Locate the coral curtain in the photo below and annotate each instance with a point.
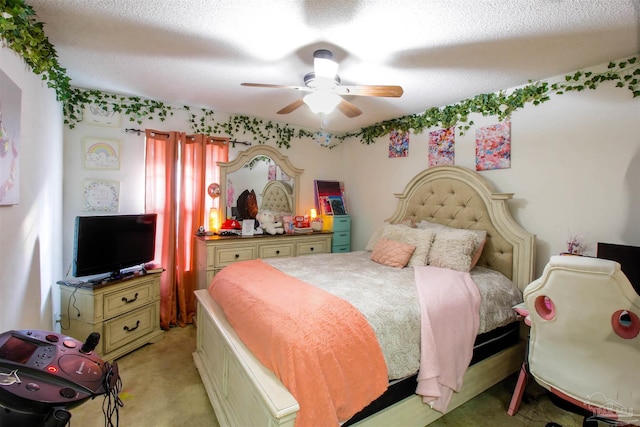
(178, 170)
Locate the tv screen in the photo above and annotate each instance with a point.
(627, 256)
(110, 243)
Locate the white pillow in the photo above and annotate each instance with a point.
(480, 236)
(421, 239)
(375, 236)
(452, 250)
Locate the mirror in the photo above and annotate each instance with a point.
(258, 168)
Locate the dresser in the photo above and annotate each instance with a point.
(125, 313)
(215, 252)
(340, 225)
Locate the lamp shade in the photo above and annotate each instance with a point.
(322, 102)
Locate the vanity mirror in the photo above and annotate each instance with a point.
(275, 182)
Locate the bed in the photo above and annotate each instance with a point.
(243, 392)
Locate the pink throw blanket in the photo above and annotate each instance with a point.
(450, 318)
(320, 347)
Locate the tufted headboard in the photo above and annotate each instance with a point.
(277, 196)
(461, 198)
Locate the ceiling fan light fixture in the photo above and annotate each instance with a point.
(324, 65)
(322, 102)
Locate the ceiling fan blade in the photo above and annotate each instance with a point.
(385, 91)
(348, 109)
(293, 106)
(274, 86)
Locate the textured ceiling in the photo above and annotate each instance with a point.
(197, 52)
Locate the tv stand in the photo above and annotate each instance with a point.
(124, 311)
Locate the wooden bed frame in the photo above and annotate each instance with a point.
(245, 393)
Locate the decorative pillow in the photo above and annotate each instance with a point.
(375, 236)
(392, 253)
(480, 237)
(421, 239)
(452, 250)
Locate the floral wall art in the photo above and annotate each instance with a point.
(493, 147)
(442, 147)
(101, 195)
(398, 144)
(10, 104)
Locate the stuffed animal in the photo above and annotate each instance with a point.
(268, 222)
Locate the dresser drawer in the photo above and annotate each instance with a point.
(341, 238)
(226, 256)
(313, 247)
(129, 327)
(341, 223)
(126, 299)
(272, 251)
(341, 248)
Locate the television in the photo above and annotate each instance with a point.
(108, 244)
(627, 256)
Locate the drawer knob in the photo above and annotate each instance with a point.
(278, 252)
(237, 255)
(128, 301)
(128, 329)
(311, 248)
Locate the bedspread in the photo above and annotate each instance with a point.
(387, 298)
(322, 363)
(450, 303)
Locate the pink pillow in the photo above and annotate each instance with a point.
(392, 253)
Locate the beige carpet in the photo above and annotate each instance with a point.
(161, 387)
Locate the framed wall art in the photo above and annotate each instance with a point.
(442, 147)
(493, 147)
(99, 153)
(101, 196)
(101, 116)
(10, 106)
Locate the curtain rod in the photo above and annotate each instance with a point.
(232, 142)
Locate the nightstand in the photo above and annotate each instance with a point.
(125, 313)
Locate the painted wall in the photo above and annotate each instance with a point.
(575, 169)
(31, 231)
(575, 163)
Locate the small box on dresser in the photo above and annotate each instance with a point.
(341, 227)
(125, 313)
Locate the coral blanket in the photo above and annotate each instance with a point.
(319, 346)
(450, 318)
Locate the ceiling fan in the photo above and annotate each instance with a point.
(323, 85)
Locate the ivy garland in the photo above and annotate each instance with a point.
(22, 33)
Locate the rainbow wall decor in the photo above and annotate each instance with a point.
(101, 153)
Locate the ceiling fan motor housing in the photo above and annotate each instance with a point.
(312, 82)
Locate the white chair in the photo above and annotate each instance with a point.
(584, 345)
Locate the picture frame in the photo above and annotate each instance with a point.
(10, 147)
(248, 227)
(330, 197)
(337, 205)
(101, 196)
(94, 114)
(101, 153)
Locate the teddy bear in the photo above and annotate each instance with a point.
(268, 222)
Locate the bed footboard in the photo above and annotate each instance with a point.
(241, 390)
